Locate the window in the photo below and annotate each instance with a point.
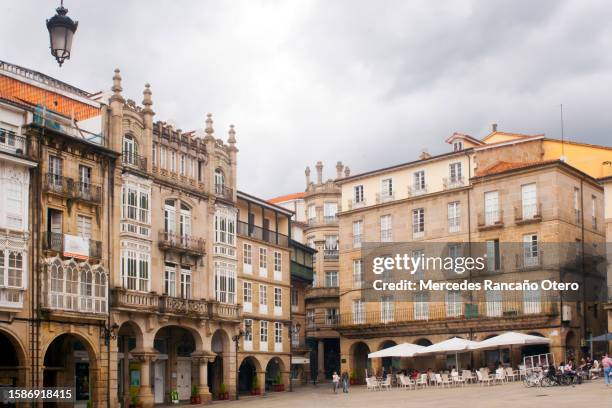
(419, 272)
(84, 186)
(594, 211)
(278, 265)
(310, 317)
(357, 273)
(84, 226)
(135, 199)
(185, 223)
(331, 279)
(492, 215)
(529, 201)
(494, 303)
(185, 282)
(358, 194)
(170, 217)
(295, 297)
(418, 222)
(219, 182)
(247, 292)
(11, 268)
(135, 261)
(386, 309)
(55, 173)
(295, 335)
(357, 233)
(457, 145)
(225, 282)
(100, 285)
(454, 216)
(225, 226)
(130, 150)
(331, 316)
(14, 204)
(358, 311)
(530, 250)
(421, 306)
(387, 188)
(248, 330)
(312, 213)
(453, 303)
(386, 229)
(454, 172)
(263, 262)
(182, 169)
(278, 301)
(263, 296)
(163, 155)
(577, 213)
(263, 335)
(247, 258)
(172, 161)
(170, 279)
(531, 301)
(454, 252)
(86, 289)
(278, 336)
(329, 211)
(493, 255)
(419, 181)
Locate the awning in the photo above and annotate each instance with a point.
(401, 350)
(299, 360)
(510, 339)
(454, 345)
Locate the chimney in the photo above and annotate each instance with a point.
(319, 172)
(339, 168)
(493, 127)
(307, 173)
(347, 171)
(424, 155)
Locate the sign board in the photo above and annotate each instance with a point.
(76, 247)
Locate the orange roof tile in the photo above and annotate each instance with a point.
(286, 197)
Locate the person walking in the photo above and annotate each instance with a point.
(345, 382)
(335, 381)
(606, 363)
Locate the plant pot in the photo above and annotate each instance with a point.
(196, 399)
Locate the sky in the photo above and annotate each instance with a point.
(368, 83)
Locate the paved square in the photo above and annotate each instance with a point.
(515, 395)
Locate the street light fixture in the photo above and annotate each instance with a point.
(236, 338)
(61, 30)
(293, 329)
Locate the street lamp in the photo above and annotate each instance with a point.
(293, 329)
(61, 30)
(236, 338)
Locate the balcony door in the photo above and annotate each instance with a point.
(55, 172)
(170, 219)
(529, 200)
(491, 199)
(185, 223)
(129, 150)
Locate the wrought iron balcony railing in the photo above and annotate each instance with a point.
(54, 241)
(88, 192)
(330, 254)
(224, 192)
(452, 182)
(13, 143)
(526, 213)
(490, 219)
(134, 160)
(181, 243)
(67, 187)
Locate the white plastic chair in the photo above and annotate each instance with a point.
(422, 380)
(372, 384)
(386, 383)
(522, 371)
(467, 376)
(456, 379)
(407, 382)
(484, 379)
(500, 375)
(511, 374)
(446, 380)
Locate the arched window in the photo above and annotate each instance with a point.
(56, 285)
(72, 287)
(130, 150)
(86, 289)
(100, 290)
(219, 182)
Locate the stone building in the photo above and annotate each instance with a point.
(504, 189)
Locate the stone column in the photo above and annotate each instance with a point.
(126, 372)
(321, 360)
(145, 395)
(261, 379)
(202, 359)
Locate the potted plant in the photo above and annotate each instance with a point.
(255, 390)
(135, 402)
(195, 395)
(278, 385)
(174, 397)
(353, 377)
(223, 394)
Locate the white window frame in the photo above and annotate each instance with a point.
(247, 258)
(263, 335)
(421, 306)
(358, 196)
(247, 340)
(454, 303)
(278, 266)
(357, 233)
(386, 228)
(136, 266)
(263, 298)
(357, 273)
(529, 201)
(454, 216)
(247, 296)
(263, 262)
(278, 301)
(387, 309)
(225, 281)
(492, 213)
(358, 311)
(418, 222)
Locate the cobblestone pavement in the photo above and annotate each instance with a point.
(515, 395)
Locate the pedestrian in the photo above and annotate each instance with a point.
(335, 381)
(606, 363)
(345, 382)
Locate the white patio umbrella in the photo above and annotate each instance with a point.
(508, 340)
(455, 346)
(400, 350)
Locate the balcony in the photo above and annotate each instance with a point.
(88, 192)
(54, 241)
(353, 205)
(225, 311)
(11, 297)
(174, 305)
(415, 191)
(321, 321)
(457, 312)
(135, 301)
(134, 160)
(262, 234)
(527, 214)
(66, 187)
(171, 241)
(384, 197)
(13, 143)
(450, 183)
(330, 254)
(322, 292)
(325, 221)
(224, 192)
(491, 219)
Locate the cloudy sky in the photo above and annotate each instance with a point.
(370, 83)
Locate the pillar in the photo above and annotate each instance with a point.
(261, 380)
(204, 390)
(145, 395)
(321, 360)
(126, 373)
(285, 378)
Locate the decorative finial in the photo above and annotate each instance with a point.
(347, 171)
(147, 101)
(209, 124)
(232, 135)
(117, 82)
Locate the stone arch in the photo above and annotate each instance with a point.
(247, 375)
(195, 333)
(359, 360)
(423, 341)
(535, 349)
(388, 364)
(220, 368)
(275, 368)
(65, 366)
(13, 363)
